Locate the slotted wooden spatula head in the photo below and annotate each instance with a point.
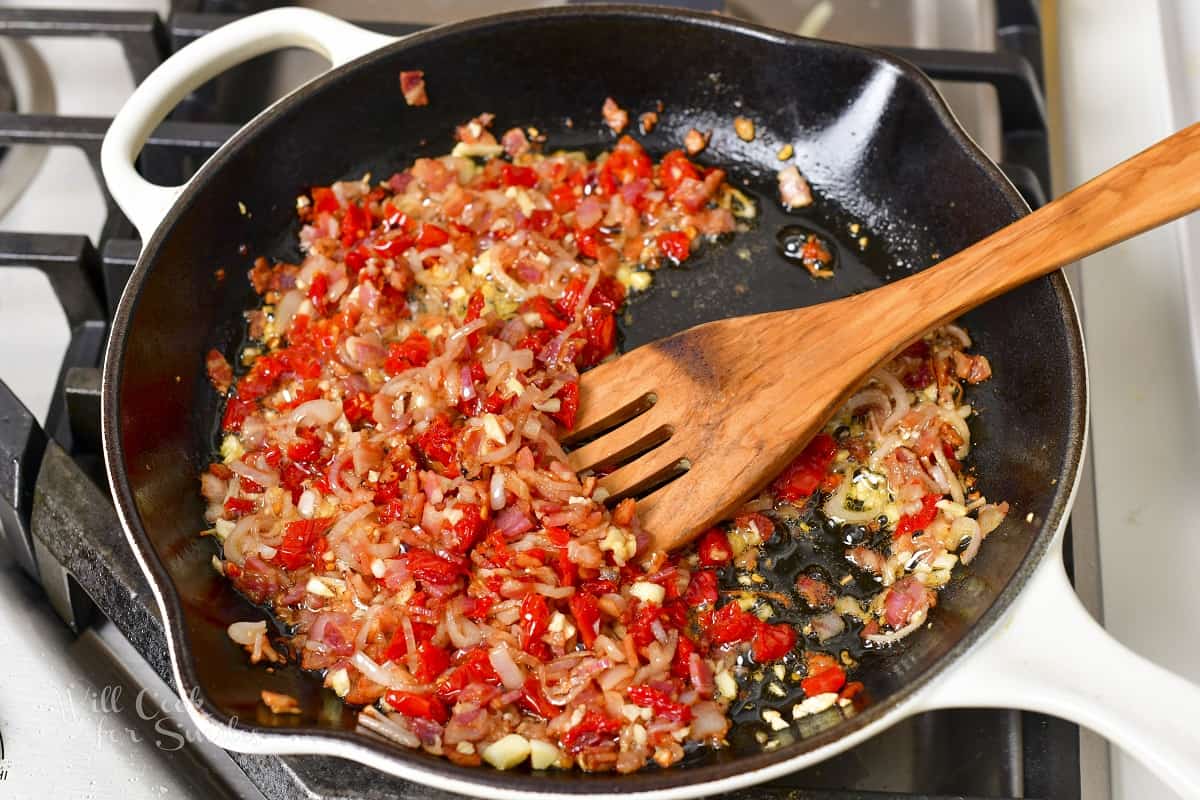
(694, 425)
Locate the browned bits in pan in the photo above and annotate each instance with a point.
(280, 703)
(744, 128)
(694, 141)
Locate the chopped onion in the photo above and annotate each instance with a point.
(918, 619)
(510, 673)
(372, 671)
(497, 496)
(244, 633)
(899, 395)
(348, 521)
(956, 491)
(556, 592)
(964, 528)
(615, 676)
(467, 392)
(828, 625)
(990, 516)
(316, 412)
(835, 506)
(286, 308)
(375, 721)
(708, 721)
(463, 632)
(264, 479)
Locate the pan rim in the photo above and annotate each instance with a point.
(736, 772)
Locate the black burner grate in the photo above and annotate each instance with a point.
(67, 535)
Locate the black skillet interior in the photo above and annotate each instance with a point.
(868, 132)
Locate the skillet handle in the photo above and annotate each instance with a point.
(1049, 655)
(146, 203)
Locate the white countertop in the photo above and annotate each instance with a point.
(1116, 100)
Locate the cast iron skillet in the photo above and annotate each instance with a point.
(870, 133)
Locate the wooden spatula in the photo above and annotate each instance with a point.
(703, 419)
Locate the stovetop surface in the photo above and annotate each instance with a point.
(106, 701)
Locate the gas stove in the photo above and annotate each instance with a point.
(92, 711)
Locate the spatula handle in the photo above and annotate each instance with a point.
(1154, 187)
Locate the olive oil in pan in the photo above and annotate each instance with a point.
(754, 270)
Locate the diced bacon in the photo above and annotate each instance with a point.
(972, 369)
(905, 598)
(794, 190)
(815, 592)
(412, 85)
(615, 117)
(476, 131)
(515, 142)
(220, 374)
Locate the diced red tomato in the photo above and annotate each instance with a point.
(568, 405)
(773, 641)
(759, 522)
(535, 616)
(568, 303)
(674, 169)
(829, 679)
(412, 352)
(681, 663)
(547, 223)
(851, 690)
(702, 589)
(588, 241)
(317, 291)
(544, 308)
(594, 729)
(714, 549)
(474, 667)
(469, 529)
(626, 163)
(805, 474)
(587, 616)
(236, 411)
(358, 408)
(239, 506)
(513, 175)
(324, 200)
(534, 701)
(658, 701)
(432, 568)
(302, 543)
(675, 245)
(438, 442)
(391, 247)
(305, 447)
(355, 224)
(432, 235)
(417, 705)
(911, 523)
(730, 624)
(600, 330)
(432, 661)
(641, 626)
(397, 649)
(563, 198)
